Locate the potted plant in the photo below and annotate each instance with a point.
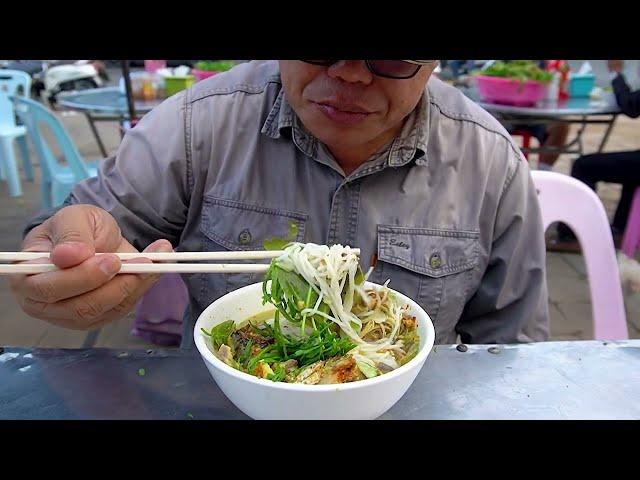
(208, 68)
(517, 82)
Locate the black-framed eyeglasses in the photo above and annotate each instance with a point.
(396, 69)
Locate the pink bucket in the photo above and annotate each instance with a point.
(152, 66)
(202, 74)
(510, 91)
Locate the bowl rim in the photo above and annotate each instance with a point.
(415, 362)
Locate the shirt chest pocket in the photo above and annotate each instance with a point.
(228, 225)
(432, 266)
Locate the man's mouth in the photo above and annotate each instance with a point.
(343, 113)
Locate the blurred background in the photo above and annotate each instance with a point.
(558, 112)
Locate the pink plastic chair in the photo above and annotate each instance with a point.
(564, 199)
(631, 237)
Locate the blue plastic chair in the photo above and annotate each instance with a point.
(13, 82)
(57, 179)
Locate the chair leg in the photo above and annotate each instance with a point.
(26, 159)
(9, 163)
(609, 316)
(91, 338)
(526, 141)
(631, 237)
(45, 195)
(59, 192)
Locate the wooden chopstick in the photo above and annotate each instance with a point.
(33, 268)
(170, 256)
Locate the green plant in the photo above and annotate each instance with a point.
(522, 70)
(214, 65)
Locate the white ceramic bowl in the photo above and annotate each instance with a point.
(264, 399)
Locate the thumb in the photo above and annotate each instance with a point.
(78, 231)
(71, 232)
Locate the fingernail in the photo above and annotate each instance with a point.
(109, 265)
(163, 247)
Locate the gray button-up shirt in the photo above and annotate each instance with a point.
(447, 211)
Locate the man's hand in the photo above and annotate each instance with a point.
(87, 292)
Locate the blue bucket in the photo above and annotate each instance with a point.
(581, 85)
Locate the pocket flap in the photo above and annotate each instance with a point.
(431, 252)
(242, 226)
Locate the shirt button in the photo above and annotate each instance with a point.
(435, 261)
(245, 237)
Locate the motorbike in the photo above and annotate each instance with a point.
(51, 77)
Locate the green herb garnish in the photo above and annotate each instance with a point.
(220, 333)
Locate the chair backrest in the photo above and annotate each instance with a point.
(12, 82)
(565, 199)
(631, 237)
(34, 116)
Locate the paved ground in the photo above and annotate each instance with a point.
(568, 289)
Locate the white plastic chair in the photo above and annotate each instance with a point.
(11, 82)
(57, 179)
(565, 199)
